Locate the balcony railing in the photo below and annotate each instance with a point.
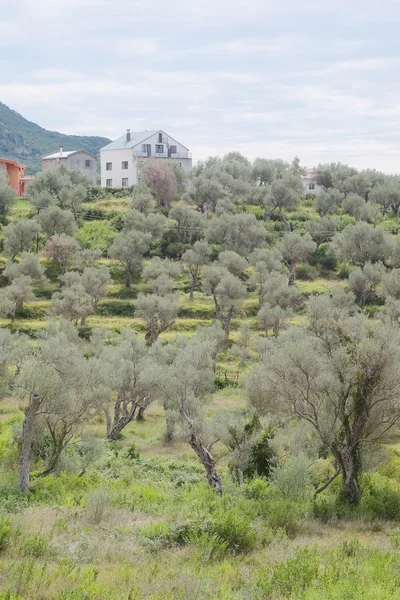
(141, 154)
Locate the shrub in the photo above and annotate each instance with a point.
(380, 498)
(96, 504)
(307, 272)
(34, 545)
(291, 577)
(235, 530)
(5, 532)
(293, 478)
(281, 514)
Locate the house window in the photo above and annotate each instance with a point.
(160, 138)
(172, 149)
(88, 164)
(311, 186)
(124, 182)
(124, 164)
(108, 182)
(108, 166)
(159, 148)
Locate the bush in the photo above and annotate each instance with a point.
(224, 531)
(235, 530)
(5, 532)
(307, 272)
(34, 545)
(96, 503)
(380, 498)
(281, 514)
(292, 577)
(293, 478)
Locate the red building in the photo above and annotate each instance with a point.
(15, 174)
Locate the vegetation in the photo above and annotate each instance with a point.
(200, 392)
(26, 142)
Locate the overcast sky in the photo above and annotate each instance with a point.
(272, 78)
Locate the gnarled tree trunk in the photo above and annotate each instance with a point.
(208, 462)
(27, 437)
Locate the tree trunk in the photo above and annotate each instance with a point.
(192, 286)
(140, 415)
(208, 462)
(119, 426)
(292, 274)
(286, 223)
(128, 279)
(108, 421)
(27, 437)
(227, 320)
(267, 214)
(83, 320)
(349, 464)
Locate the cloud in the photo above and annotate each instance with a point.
(266, 78)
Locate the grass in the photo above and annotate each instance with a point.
(141, 523)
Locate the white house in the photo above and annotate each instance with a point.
(74, 159)
(121, 160)
(309, 185)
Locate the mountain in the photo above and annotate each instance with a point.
(26, 142)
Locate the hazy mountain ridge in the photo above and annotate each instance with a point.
(27, 142)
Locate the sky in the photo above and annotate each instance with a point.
(270, 78)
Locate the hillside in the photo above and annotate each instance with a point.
(27, 142)
(172, 459)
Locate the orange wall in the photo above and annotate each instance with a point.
(13, 177)
(14, 174)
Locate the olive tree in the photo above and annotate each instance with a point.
(241, 233)
(233, 262)
(7, 196)
(295, 248)
(193, 261)
(153, 224)
(64, 187)
(265, 262)
(128, 249)
(227, 292)
(12, 297)
(327, 201)
(190, 223)
(273, 317)
(131, 364)
(61, 249)
(158, 312)
(54, 220)
(341, 375)
(29, 265)
(183, 385)
(321, 231)
(283, 194)
(361, 243)
(62, 390)
(161, 180)
(19, 236)
(142, 199)
(363, 282)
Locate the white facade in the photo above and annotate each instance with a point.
(121, 160)
(309, 185)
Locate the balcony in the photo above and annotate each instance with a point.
(144, 154)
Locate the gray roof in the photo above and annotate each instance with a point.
(65, 154)
(137, 137)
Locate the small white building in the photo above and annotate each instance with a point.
(309, 185)
(83, 161)
(121, 161)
